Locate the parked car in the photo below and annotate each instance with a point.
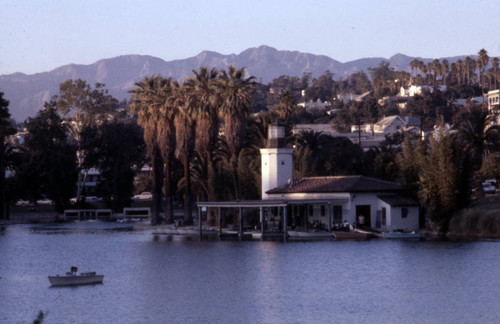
(489, 188)
(143, 196)
(92, 198)
(22, 202)
(44, 201)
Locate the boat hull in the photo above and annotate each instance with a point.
(341, 235)
(301, 234)
(182, 231)
(75, 280)
(402, 236)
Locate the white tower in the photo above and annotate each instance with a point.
(276, 160)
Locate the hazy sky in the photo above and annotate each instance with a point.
(40, 35)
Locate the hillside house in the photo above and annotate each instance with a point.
(385, 126)
(494, 104)
(389, 125)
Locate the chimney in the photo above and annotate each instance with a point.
(276, 136)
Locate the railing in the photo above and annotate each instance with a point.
(87, 214)
(137, 212)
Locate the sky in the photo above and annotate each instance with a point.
(40, 35)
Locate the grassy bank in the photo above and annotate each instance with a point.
(482, 220)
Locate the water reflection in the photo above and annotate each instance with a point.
(154, 279)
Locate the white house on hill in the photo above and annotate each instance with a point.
(389, 125)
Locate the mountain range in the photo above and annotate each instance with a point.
(27, 93)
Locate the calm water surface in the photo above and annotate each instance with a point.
(162, 279)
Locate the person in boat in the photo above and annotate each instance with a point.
(73, 271)
(346, 226)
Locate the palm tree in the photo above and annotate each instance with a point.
(236, 92)
(445, 68)
(286, 105)
(495, 63)
(483, 60)
(469, 64)
(414, 65)
(204, 97)
(185, 125)
(148, 100)
(167, 143)
(477, 133)
(308, 147)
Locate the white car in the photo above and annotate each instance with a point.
(489, 188)
(143, 196)
(44, 201)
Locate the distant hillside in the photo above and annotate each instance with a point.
(27, 93)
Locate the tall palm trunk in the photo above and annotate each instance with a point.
(167, 185)
(211, 194)
(188, 212)
(156, 163)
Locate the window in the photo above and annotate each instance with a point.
(384, 216)
(323, 210)
(404, 212)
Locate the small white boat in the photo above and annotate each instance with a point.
(84, 278)
(402, 236)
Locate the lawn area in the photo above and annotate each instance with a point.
(481, 220)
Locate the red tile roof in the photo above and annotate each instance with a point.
(397, 200)
(337, 184)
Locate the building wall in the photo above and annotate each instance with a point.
(395, 221)
(348, 203)
(276, 166)
(363, 199)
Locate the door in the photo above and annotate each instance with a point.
(363, 218)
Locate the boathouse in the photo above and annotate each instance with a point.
(310, 203)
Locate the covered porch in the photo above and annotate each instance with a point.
(276, 217)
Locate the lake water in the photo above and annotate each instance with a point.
(163, 279)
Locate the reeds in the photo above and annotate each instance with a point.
(476, 223)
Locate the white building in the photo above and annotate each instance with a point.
(494, 104)
(336, 199)
(297, 204)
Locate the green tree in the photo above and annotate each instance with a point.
(82, 106)
(6, 129)
(52, 161)
(383, 80)
(322, 88)
(358, 83)
(441, 169)
(121, 149)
